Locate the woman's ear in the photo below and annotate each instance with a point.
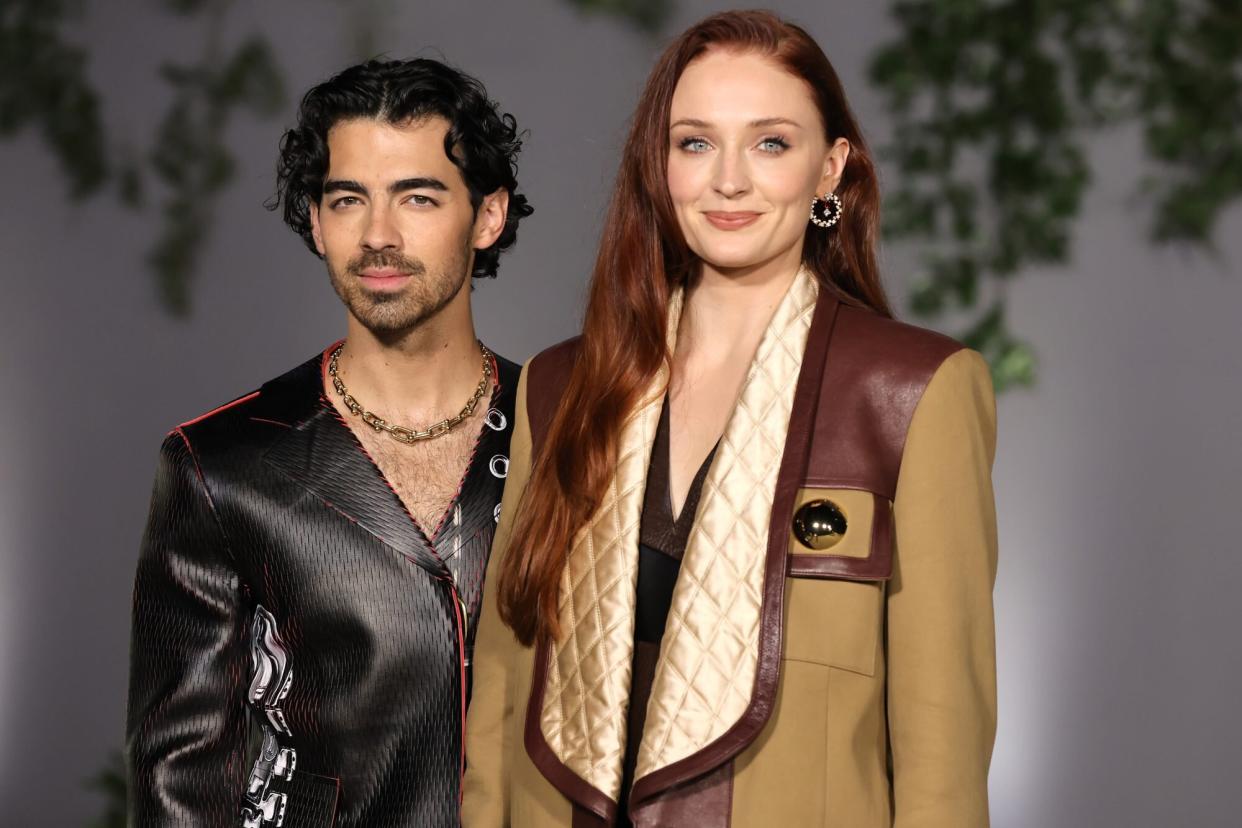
(834, 166)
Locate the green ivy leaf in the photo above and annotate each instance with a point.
(1011, 360)
(251, 78)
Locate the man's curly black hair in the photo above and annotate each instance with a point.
(482, 142)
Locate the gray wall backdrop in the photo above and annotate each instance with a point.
(1117, 479)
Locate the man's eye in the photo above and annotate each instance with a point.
(345, 201)
(694, 144)
(423, 201)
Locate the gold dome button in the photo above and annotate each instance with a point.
(819, 524)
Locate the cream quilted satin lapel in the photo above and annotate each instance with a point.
(586, 694)
(710, 649)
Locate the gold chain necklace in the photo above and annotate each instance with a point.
(400, 433)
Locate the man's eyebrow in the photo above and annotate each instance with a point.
(760, 122)
(333, 185)
(420, 183)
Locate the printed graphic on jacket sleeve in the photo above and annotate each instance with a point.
(271, 678)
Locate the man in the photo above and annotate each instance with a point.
(311, 574)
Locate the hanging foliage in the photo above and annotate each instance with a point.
(111, 785)
(44, 86)
(190, 157)
(993, 104)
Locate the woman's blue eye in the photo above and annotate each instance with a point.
(694, 144)
(774, 144)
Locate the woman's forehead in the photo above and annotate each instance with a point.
(729, 87)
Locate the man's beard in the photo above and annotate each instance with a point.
(387, 314)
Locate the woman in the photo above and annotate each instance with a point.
(746, 579)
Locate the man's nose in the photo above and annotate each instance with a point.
(381, 231)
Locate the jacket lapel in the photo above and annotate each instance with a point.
(576, 716)
(716, 681)
(320, 453)
(710, 654)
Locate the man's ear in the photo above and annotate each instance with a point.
(489, 220)
(316, 232)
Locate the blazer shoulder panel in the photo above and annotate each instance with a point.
(547, 374)
(876, 372)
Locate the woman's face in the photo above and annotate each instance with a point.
(747, 153)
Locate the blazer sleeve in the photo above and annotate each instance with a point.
(940, 633)
(186, 731)
(489, 723)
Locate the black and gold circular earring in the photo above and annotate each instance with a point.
(826, 210)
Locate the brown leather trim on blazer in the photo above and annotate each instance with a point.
(582, 818)
(877, 566)
(547, 375)
(836, 440)
(546, 378)
(706, 802)
(574, 787)
(860, 435)
(788, 480)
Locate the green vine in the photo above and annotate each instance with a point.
(110, 783)
(44, 86)
(191, 157)
(993, 103)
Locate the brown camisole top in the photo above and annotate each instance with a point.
(662, 542)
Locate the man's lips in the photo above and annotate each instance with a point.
(384, 279)
(731, 220)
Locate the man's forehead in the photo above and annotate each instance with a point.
(374, 148)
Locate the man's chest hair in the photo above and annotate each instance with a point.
(425, 474)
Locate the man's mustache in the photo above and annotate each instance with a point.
(385, 261)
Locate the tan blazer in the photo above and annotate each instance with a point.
(840, 678)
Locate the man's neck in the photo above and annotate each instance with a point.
(417, 378)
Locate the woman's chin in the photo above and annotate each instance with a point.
(733, 260)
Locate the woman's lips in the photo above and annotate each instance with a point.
(734, 220)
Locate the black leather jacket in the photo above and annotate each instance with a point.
(300, 647)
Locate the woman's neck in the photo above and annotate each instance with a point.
(727, 309)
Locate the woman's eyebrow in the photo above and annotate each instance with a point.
(767, 122)
(758, 122)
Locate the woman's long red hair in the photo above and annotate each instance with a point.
(642, 257)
